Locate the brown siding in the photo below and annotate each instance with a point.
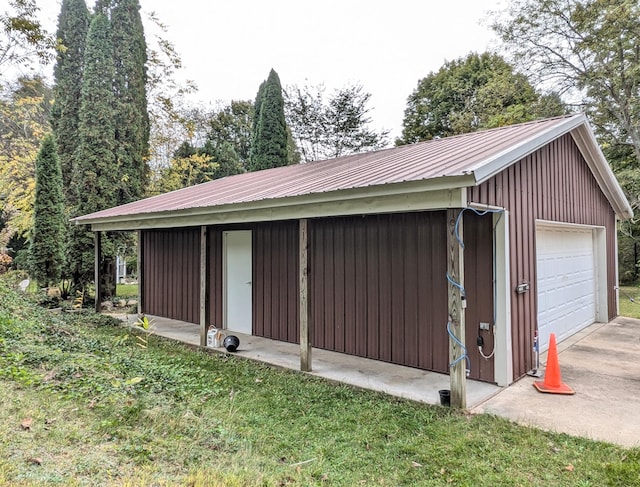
(275, 281)
(378, 287)
(214, 243)
(172, 273)
(478, 283)
(554, 183)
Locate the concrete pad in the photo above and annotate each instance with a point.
(602, 365)
(406, 382)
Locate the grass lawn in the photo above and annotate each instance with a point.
(85, 401)
(126, 291)
(629, 308)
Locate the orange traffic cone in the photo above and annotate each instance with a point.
(552, 382)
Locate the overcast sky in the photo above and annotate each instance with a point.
(229, 46)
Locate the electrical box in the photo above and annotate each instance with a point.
(522, 288)
(484, 326)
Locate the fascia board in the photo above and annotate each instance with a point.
(590, 149)
(490, 167)
(391, 197)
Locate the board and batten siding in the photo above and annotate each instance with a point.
(172, 273)
(553, 183)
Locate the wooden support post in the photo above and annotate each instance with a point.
(140, 270)
(305, 332)
(455, 270)
(204, 287)
(97, 247)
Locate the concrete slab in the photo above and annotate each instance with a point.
(406, 382)
(602, 365)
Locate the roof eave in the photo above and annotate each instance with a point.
(590, 149)
(578, 127)
(409, 195)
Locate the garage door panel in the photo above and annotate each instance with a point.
(566, 279)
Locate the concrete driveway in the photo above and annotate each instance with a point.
(602, 365)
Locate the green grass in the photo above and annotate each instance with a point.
(126, 290)
(628, 308)
(84, 401)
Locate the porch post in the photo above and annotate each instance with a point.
(305, 342)
(204, 289)
(457, 305)
(97, 247)
(140, 267)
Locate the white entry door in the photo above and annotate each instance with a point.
(237, 258)
(567, 281)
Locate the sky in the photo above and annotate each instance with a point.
(229, 46)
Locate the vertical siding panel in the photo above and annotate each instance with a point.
(214, 241)
(561, 188)
(426, 286)
(361, 286)
(329, 304)
(350, 291)
(373, 289)
(385, 265)
(397, 292)
(275, 280)
(339, 289)
(410, 293)
(439, 229)
(294, 284)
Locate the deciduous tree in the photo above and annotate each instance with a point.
(588, 51)
(23, 40)
(331, 127)
(24, 120)
(471, 93)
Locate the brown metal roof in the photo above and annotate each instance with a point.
(461, 155)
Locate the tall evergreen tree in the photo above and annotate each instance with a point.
(270, 145)
(73, 24)
(131, 116)
(46, 256)
(95, 178)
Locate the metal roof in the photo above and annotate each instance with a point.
(474, 156)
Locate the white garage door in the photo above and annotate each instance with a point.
(566, 281)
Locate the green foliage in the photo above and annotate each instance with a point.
(46, 252)
(104, 411)
(630, 301)
(229, 136)
(325, 128)
(95, 178)
(476, 92)
(22, 37)
(586, 49)
(131, 116)
(73, 24)
(269, 146)
(24, 120)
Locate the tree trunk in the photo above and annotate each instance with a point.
(108, 277)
